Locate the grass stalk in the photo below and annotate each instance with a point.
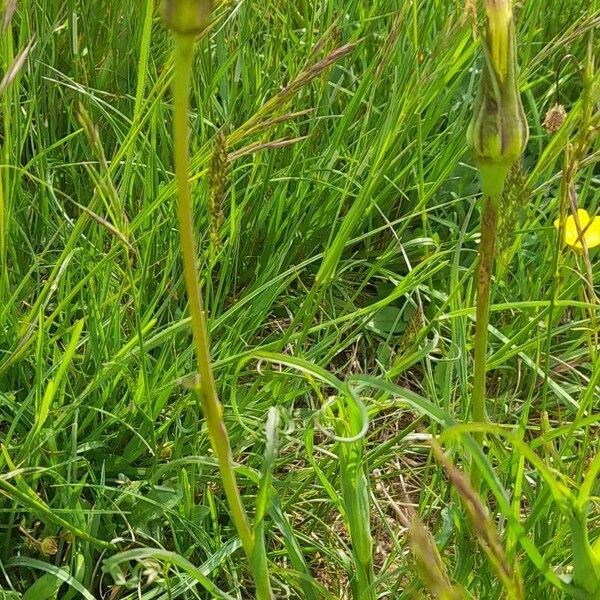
(206, 389)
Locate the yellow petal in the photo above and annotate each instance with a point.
(592, 233)
(584, 217)
(582, 214)
(589, 227)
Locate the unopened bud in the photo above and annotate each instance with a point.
(48, 546)
(166, 451)
(187, 17)
(498, 131)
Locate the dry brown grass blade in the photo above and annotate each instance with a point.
(9, 11)
(283, 119)
(482, 526)
(303, 78)
(258, 146)
(16, 66)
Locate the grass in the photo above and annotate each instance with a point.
(342, 290)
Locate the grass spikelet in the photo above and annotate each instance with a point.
(429, 563)
(302, 79)
(428, 560)
(514, 200)
(218, 174)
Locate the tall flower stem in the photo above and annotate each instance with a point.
(206, 389)
(485, 269)
(498, 135)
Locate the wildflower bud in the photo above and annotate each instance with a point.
(187, 17)
(554, 118)
(48, 546)
(166, 451)
(498, 130)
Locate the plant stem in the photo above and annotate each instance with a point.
(485, 267)
(207, 390)
(355, 492)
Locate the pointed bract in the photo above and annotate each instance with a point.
(498, 131)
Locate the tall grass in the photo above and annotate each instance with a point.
(340, 306)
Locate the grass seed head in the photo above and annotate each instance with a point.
(514, 198)
(430, 566)
(498, 131)
(554, 119)
(483, 526)
(218, 174)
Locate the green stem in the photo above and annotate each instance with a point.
(207, 390)
(5, 198)
(485, 268)
(355, 492)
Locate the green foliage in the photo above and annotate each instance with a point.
(348, 167)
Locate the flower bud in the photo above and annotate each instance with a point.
(187, 17)
(498, 130)
(49, 546)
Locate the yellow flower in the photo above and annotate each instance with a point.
(590, 229)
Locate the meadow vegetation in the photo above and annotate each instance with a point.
(337, 220)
